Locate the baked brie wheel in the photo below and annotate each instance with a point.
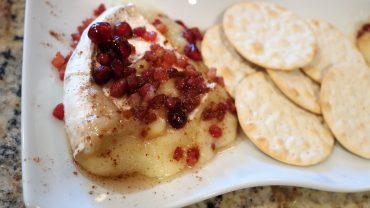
(134, 105)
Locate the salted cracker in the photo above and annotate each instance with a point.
(278, 127)
(269, 35)
(345, 103)
(333, 48)
(217, 52)
(298, 88)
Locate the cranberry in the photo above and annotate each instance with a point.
(149, 117)
(192, 52)
(128, 71)
(99, 10)
(177, 118)
(169, 57)
(100, 32)
(178, 154)
(122, 46)
(160, 75)
(182, 61)
(123, 29)
(104, 59)
(102, 74)
(158, 101)
(118, 88)
(215, 131)
(162, 28)
(76, 36)
(58, 61)
(192, 156)
(196, 33)
(117, 68)
(58, 111)
(173, 72)
(150, 36)
(132, 81)
(105, 46)
(189, 36)
(139, 31)
(181, 23)
(147, 91)
(172, 102)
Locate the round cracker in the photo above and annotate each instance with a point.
(217, 52)
(333, 48)
(269, 35)
(345, 103)
(278, 127)
(298, 88)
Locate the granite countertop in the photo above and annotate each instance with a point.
(11, 41)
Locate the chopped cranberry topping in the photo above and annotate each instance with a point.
(217, 111)
(192, 156)
(58, 111)
(160, 75)
(99, 10)
(178, 154)
(170, 57)
(123, 29)
(182, 61)
(162, 28)
(150, 36)
(118, 88)
(139, 31)
(147, 91)
(104, 59)
(177, 118)
(102, 74)
(172, 102)
(215, 131)
(192, 52)
(181, 23)
(100, 32)
(58, 60)
(158, 101)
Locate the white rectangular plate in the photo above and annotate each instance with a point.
(48, 179)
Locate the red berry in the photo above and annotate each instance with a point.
(118, 88)
(196, 33)
(215, 131)
(104, 59)
(150, 36)
(147, 91)
(192, 52)
(139, 31)
(100, 32)
(177, 118)
(172, 102)
(99, 10)
(122, 46)
(192, 156)
(189, 36)
(178, 154)
(58, 111)
(160, 75)
(157, 102)
(102, 74)
(123, 29)
(169, 57)
(182, 61)
(117, 68)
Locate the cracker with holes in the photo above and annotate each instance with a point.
(269, 35)
(217, 52)
(278, 127)
(298, 87)
(334, 48)
(345, 103)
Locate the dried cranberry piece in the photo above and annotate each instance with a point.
(58, 111)
(147, 91)
(192, 156)
(196, 33)
(178, 154)
(215, 131)
(132, 81)
(172, 102)
(150, 36)
(122, 46)
(162, 28)
(118, 88)
(123, 29)
(128, 71)
(189, 36)
(118, 68)
(157, 102)
(169, 57)
(99, 10)
(104, 59)
(139, 31)
(160, 75)
(102, 74)
(181, 23)
(100, 32)
(192, 52)
(182, 61)
(177, 118)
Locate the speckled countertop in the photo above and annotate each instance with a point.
(11, 39)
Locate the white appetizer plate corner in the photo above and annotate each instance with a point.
(48, 179)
